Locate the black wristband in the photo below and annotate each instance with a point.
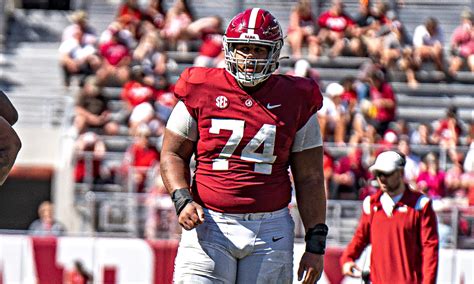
(316, 239)
(181, 197)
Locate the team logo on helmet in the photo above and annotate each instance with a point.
(222, 102)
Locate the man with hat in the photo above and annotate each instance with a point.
(333, 115)
(401, 226)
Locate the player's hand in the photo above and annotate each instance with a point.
(191, 216)
(10, 145)
(351, 269)
(312, 264)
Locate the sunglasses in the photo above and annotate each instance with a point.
(381, 174)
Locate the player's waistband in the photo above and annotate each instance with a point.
(250, 216)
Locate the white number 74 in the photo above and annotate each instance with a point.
(266, 135)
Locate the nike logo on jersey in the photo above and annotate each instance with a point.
(275, 239)
(269, 106)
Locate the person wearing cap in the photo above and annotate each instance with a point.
(401, 226)
(333, 115)
(462, 44)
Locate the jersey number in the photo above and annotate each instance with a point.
(266, 135)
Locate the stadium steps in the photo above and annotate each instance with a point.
(429, 114)
(101, 14)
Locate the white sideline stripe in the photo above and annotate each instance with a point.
(253, 20)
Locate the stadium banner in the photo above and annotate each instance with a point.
(26, 259)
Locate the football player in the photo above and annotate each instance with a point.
(245, 127)
(10, 143)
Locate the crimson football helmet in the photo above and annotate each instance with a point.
(253, 26)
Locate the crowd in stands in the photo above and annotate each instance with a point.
(359, 114)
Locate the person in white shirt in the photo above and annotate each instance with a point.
(428, 42)
(333, 115)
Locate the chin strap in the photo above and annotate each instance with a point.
(316, 239)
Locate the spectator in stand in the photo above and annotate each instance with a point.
(118, 28)
(422, 135)
(448, 129)
(362, 131)
(91, 107)
(395, 44)
(131, 9)
(347, 175)
(303, 68)
(383, 100)
(140, 158)
(46, 225)
(455, 178)
(431, 180)
(115, 68)
(77, 57)
(79, 19)
(137, 91)
(335, 25)
(333, 116)
(412, 168)
(462, 44)
(145, 113)
(428, 42)
(209, 30)
(369, 22)
(301, 30)
(90, 152)
(328, 168)
(401, 226)
(164, 104)
(155, 13)
(177, 20)
(349, 100)
(150, 57)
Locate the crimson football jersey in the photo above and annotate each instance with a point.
(245, 140)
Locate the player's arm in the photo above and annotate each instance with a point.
(307, 168)
(7, 110)
(177, 150)
(10, 143)
(429, 241)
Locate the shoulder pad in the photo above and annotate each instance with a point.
(195, 75)
(190, 77)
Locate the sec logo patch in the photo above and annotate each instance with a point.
(222, 102)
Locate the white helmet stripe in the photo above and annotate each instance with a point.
(252, 20)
